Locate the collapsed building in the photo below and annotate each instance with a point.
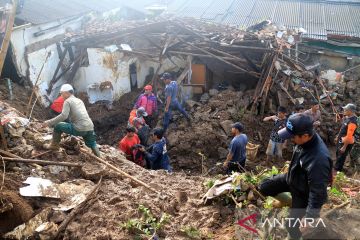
(231, 66)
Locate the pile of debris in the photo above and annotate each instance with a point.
(96, 192)
(203, 146)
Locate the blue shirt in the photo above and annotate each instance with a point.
(159, 157)
(171, 90)
(238, 148)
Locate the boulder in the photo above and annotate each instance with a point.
(222, 152)
(352, 85)
(226, 125)
(213, 92)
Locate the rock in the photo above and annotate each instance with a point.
(244, 186)
(352, 85)
(204, 98)
(226, 125)
(222, 152)
(259, 202)
(213, 92)
(192, 103)
(181, 197)
(251, 196)
(242, 198)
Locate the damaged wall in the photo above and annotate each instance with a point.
(114, 68)
(31, 45)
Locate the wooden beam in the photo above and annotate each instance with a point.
(53, 80)
(219, 58)
(7, 37)
(41, 162)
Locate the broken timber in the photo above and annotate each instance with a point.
(118, 171)
(41, 162)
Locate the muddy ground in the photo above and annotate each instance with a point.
(118, 199)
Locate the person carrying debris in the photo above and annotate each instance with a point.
(81, 124)
(156, 156)
(308, 176)
(314, 113)
(148, 101)
(130, 144)
(171, 102)
(137, 120)
(346, 137)
(276, 143)
(235, 160)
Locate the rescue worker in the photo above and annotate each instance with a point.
(276, 144)
(138, 121)
(235, 160)
(156, 156)
(81, 124)
(148, 101)
(346, 137)
(171, 102)
(299, 108)
(129, 140)
(308, 176)
(355, 151)
(314, 113)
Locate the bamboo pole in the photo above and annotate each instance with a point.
(41, 162)
(118, 171)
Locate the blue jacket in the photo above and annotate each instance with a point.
(158, 158)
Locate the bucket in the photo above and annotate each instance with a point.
(251, 150)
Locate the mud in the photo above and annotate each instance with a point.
(20, 212)
(110, 124)
(21, 99)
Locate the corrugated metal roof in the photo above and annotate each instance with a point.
(43, 11)
(318, 17)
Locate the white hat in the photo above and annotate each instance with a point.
(66, 88)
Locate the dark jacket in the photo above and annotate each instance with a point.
(310, 173)
(158, 157)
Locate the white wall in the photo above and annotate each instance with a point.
(114, 67)
(23, 37)
(103, 66)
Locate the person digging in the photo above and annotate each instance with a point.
(80, 122)
(308, 176)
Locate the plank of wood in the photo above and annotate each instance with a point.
(41, 162)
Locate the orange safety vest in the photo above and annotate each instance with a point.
(132, 117)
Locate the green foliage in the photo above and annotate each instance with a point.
(209, 183)
(147, 224)
(192, 232)
(335, 192)
(269, 173)
(268, 203)
(340, 178)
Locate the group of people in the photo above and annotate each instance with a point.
(311, 168)
(71, 117)
(310, 171)
(142, 118)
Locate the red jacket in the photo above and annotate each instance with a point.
(57, 105)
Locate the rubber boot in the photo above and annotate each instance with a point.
(282, 200)
(54, 145)
(95, 150)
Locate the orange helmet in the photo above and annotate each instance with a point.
(148, 87)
